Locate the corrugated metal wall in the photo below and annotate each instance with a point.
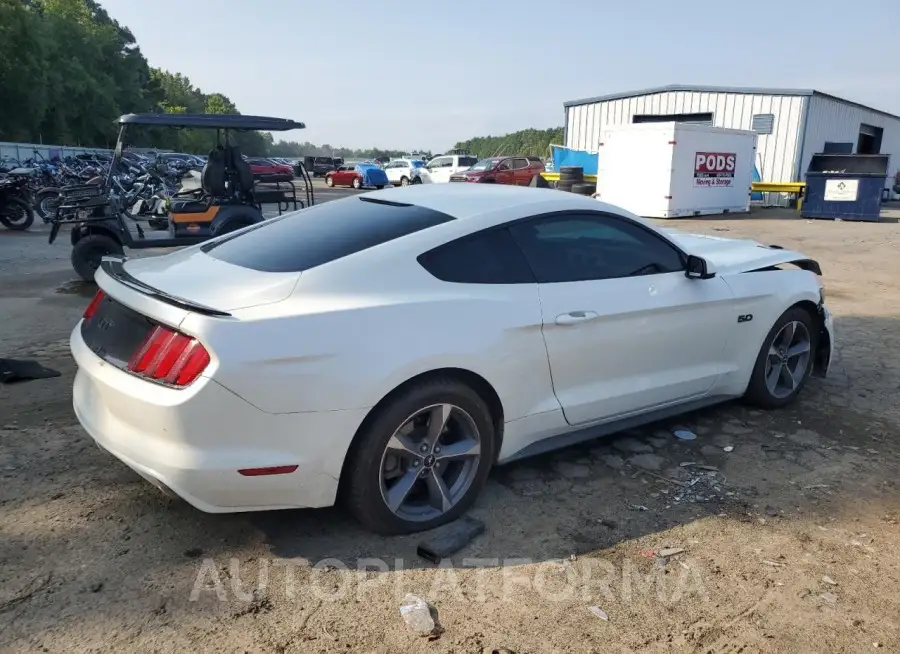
(23, 151)
(776, 153)
(838, 122)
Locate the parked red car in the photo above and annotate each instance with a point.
(515, 171)
(268, 167)
(352, 175)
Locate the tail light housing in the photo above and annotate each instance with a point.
(95, 303)
(169, 356)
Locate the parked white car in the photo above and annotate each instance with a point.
(441, 168)
(400, 343)
(403, 172)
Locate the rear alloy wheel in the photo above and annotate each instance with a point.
(357, 183)
(329, 181)
(422, 460)
(785, 360)
(404, 181)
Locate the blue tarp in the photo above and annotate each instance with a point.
(372, 175)
(569, 157)
(756, 196)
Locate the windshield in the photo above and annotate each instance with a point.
(484, 164)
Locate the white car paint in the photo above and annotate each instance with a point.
(304, 356)
(441, 168)
(399, 169)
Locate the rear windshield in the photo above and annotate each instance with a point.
(322, 233)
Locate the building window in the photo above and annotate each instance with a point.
(763, 123)
(699, 119)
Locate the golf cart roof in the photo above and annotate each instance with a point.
(212, 121)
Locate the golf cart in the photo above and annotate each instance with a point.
(228, 198)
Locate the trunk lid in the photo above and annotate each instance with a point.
(729, 255)
(199, 279)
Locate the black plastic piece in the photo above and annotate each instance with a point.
(449, 539)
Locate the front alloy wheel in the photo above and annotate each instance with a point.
(785, 360)
(788, 359)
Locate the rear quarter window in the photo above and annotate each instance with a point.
(488, 257)
(322, 233)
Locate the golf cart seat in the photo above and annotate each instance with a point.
(190, 206)
(212, 183)
(243, 176)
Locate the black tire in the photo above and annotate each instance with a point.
(584, 189)
(404, 181)
(758, 392)
(356, 183)
(88, 252)
(571, 174)
(362, 473)
(17, 214)
(416, 180)
(46, 202)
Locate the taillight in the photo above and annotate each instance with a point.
(95, 303)
(169, 356)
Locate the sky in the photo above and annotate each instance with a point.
(411, 74)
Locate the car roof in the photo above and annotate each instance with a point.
(471, 201)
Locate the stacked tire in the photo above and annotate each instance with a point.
(585, 188)
(569, 176)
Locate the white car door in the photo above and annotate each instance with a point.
(440, 169)
(460, 163)
(625, 330)
(393, 171)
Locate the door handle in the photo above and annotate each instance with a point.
(575, 317)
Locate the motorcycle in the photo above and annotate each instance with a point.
(16, 212)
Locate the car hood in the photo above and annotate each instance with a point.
(730, 255)
(198, 278)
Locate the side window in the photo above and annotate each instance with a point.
(505, 165)
(577, 247)
(490, 257)
(468, 161)
(520, 163)
(440, 162)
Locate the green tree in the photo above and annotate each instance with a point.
(528, 142)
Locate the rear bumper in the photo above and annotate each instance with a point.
(193, 441)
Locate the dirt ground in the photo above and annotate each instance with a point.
(787, 520)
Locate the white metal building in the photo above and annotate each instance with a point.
(792, 124)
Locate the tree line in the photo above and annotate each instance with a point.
(535, 142)
(68, 70)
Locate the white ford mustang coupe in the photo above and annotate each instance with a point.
(389, 348)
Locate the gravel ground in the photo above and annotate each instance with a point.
(786, 521)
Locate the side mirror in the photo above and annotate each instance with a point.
(698, 268)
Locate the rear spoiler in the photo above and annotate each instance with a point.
(115, 268)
